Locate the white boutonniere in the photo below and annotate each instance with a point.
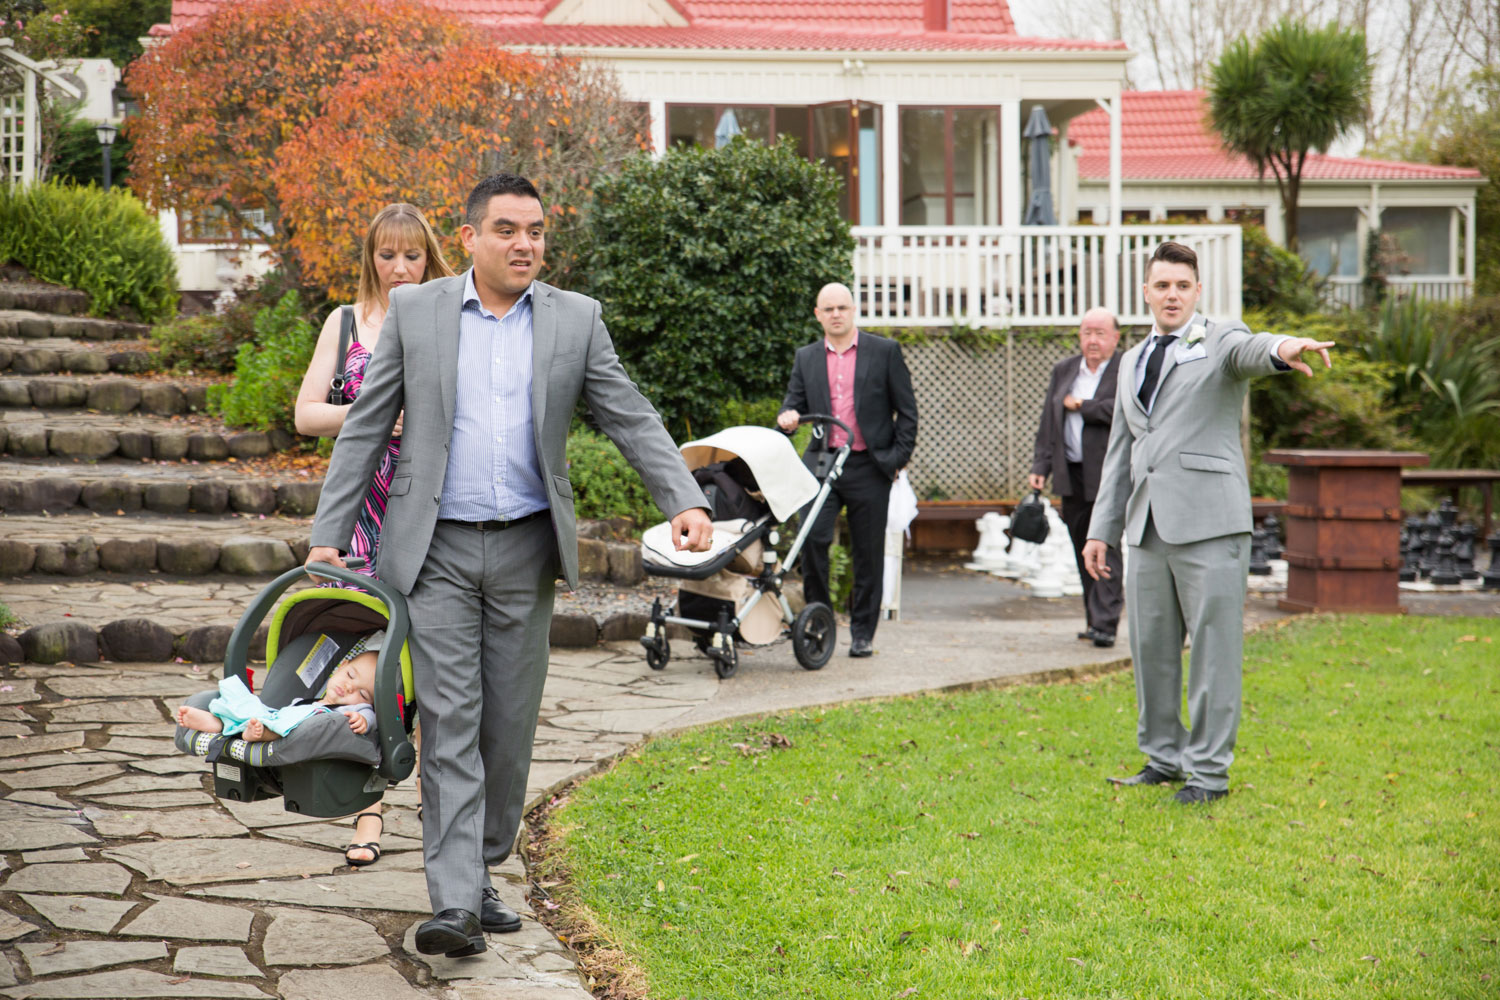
(1195, 335)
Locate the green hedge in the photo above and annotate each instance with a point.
(708, 263)
(106, 244)
(268, 372)
(604, 484)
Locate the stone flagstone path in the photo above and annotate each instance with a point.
(121, 876)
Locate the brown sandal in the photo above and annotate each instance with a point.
(373, 848)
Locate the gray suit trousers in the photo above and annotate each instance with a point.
(481, 611)
(1196, 589)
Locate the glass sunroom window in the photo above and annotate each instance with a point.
(1422, 235)
(1328, 239)
(950, 166)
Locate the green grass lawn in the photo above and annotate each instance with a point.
(967, 846)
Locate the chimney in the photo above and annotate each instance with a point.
(935, 15)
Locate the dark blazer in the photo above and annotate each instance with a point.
(885, 406)
(1098, 414)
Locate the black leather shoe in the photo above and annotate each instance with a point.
(861, 648)
(454, 933)
(495, 916)
(1102, 639)
(1192, 795)
(1147, 775)
(1086, 634)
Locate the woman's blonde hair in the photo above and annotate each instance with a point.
(401, 225)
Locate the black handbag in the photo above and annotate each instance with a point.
(1028, 521)
(341, 367)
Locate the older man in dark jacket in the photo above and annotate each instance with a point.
(1070, 445)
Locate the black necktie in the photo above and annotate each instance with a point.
(1153, 369)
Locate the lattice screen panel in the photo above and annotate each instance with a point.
(12, 135)
(978, 413)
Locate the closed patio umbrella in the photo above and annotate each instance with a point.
(1039, 131)
(728, 128)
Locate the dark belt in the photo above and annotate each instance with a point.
(496, 525)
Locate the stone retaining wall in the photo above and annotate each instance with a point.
(112, 395)
(140, 640)
(46, 360)
(58, 494)
(38, 325)
(33, 439)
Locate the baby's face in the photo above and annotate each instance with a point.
(353, 683)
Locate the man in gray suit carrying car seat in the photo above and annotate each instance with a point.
(1174, 484)
(487, 368)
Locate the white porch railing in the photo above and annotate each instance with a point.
(992, 276)
(1349, 291)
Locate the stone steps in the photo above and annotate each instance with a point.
(29, 325)
(21, 357)
(182, 545)
(160, 488)
(36, 295)
(106, 394)
(79, 434)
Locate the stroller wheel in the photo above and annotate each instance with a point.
(726, 661)
(658, 652)
(814, 634)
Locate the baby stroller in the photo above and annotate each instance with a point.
(753, 479)
(320, 768)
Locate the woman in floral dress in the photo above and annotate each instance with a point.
(399, 248)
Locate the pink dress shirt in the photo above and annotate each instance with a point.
(841, 391)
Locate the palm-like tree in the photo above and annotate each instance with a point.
(1293, 90)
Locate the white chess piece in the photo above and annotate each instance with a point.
(990, 554)
(1047, 581)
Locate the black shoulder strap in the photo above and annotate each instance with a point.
(341, 366)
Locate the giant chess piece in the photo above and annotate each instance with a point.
(1411, 549)
(1272, 527)
(1047, 581)
(1492, 574)
(1432, 527)
(1445, 567)
(1258, 564)
(990, 554)
(1448, 513)
(1463, 551)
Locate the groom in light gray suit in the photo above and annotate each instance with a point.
(488, 367)
(1174, 484)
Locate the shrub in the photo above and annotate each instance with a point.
(211, 342)
(604, 484)
(708, 263)
(1448, 381)
(268, 372)
(76, 155)
(105, 244)
(1274, 278)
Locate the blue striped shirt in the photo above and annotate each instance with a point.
(493, 472)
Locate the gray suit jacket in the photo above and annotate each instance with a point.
(415, 367)
(1182, 463)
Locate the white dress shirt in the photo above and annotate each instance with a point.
(1085, 385)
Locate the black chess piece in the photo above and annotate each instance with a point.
(1463, 551)
(1492, 574)
(1432, 527)
(1410, 549)
(1447, 512)
(1258, 564)
(1445, 567)
(1272, 528)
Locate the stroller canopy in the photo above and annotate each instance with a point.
(783, 480)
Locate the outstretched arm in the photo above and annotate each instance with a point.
(1291, 350)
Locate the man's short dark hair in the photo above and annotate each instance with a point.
(495, 184)
(1174, 253)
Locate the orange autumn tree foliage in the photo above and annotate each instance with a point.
(220, 99)
(424, 128)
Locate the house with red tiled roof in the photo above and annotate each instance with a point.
(1173, 166)
(918, 105)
